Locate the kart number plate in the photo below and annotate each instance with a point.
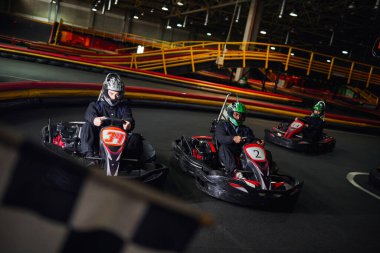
(296, 125)
(113, 137)
(256, 153)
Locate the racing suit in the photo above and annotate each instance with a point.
(315, 129)
(229, 151)
(90, 132)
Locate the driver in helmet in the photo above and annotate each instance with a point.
(110, 103)
(314, 123)
(232, 135)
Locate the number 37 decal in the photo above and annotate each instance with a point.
(113, 136)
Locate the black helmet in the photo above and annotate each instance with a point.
(112, 82)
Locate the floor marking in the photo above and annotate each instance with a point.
(20, 78)
(350, 177)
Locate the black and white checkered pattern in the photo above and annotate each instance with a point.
(51, 204)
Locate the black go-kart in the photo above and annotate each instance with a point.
(198, 156)
(64, 139)
(289, 135)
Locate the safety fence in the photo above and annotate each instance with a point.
(186, 82)
(24, 90)
(243, 53)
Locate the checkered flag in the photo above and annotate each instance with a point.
(51, 204)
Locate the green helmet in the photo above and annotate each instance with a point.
(236, 107)
(321, 107)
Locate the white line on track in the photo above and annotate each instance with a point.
(350, 177)
(19, 78)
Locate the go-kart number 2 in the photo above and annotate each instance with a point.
(256, 153)
(113, 137)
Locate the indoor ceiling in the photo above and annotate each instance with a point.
(325, 26)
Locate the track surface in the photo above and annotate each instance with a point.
(331, 215)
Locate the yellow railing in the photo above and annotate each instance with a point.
(245, 52)
(366, 94)
(164, 55)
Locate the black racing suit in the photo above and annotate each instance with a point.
(229, 151)
(314, 131)
(90, 132)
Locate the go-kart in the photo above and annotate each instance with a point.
(64, 139)
(289, 135)
(198, 156)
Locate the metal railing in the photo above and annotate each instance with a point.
(245, 52)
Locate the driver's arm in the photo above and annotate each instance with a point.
(127, 116)
(92, 114)
(250, 137)
(222, 136)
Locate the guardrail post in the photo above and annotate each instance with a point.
(267, 56)
(330, 69)
(310, 62)
(369, 77)
(288, 59)
(163, 61)
(192, 59)
(244, 52)
(350, 74)
(57, 33)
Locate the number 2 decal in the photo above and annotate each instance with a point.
(257, 153)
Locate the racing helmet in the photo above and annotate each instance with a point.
(236, 107)
(112, 82)
(321, 107)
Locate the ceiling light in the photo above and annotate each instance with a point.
(54, 1)
(238, 14)
(109, 5)
(152, 10)
(136, 17)
(104, 8)
(164, 8)
(116, 2)
(282, 9)
(377, 5)
(344, 52)
(263, 32)
(179, 25)
(168, 26)
(351, 5)
(292, 54)
(206, 19)
(208, 34)
(184, 22)
(180, 3)
(273, 48)
(94, 8)
(293, 13)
